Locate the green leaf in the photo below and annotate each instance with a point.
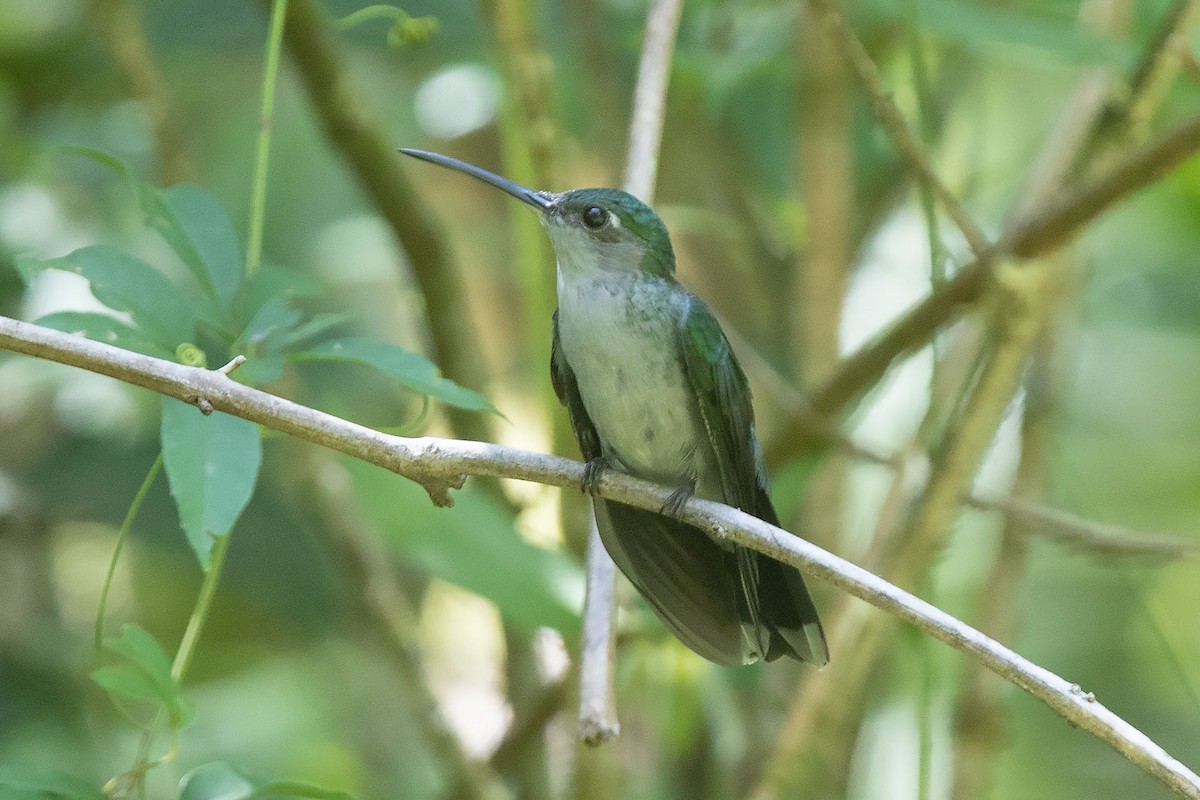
(261, 369)
(125, 283)
(193, 223)
(273, 317)
(137, 646)
(311, 329)
(212, 464)
(267, 282)
(38, 783)
(202, 222)
(215, 781)
(103, 328)
(146, 675)
(129, 682)
(475, 546)
(412, 370)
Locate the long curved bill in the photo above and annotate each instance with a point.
(542, 201)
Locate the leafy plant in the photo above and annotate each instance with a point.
(216, 307)
(144, 674)
(214, 310)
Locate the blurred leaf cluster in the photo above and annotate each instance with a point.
(363, 643)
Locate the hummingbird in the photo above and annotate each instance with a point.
(652, 389)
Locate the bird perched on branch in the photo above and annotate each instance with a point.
(653, 390)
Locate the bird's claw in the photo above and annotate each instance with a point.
(592, 471)
(678, 499)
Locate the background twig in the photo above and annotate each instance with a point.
(597, 709)
(1102, 539)
(1033, 236)
(597, 642)
(898, 129)
(650, 98)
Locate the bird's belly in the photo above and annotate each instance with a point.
(644, 415)
(636, 393)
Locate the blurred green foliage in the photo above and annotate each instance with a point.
(297, 676)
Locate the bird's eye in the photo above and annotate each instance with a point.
(595, 217)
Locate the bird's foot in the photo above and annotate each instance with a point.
(592, 470)
(678, 499)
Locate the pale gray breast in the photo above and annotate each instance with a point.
(621, 339)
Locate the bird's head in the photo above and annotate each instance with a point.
(590, 229)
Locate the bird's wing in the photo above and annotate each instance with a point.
(723, 396)
(775, 599)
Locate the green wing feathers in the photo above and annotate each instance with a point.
(775, 602)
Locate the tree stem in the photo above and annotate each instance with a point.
(258, 192)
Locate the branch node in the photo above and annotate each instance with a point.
(593, 731)
(202, 403)
(234, 363)
(439, 488)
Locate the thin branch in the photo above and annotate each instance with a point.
(1102, 539)
(1041, 233)
(650, 98)
(266, 121)
(824, 716)
(818, 730)
(529, 135)
(1035, 236)
(1159, 53)
(597, 703)
(529, 77)
(889, 116)
(597, 707)
(1163, 57)
(820, 270)
(1071, 137)
(980, 729)
(1040, 228)
(1051, 524)
(912, 467)
(442, 464)
(539, 710)
(1023, 297)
